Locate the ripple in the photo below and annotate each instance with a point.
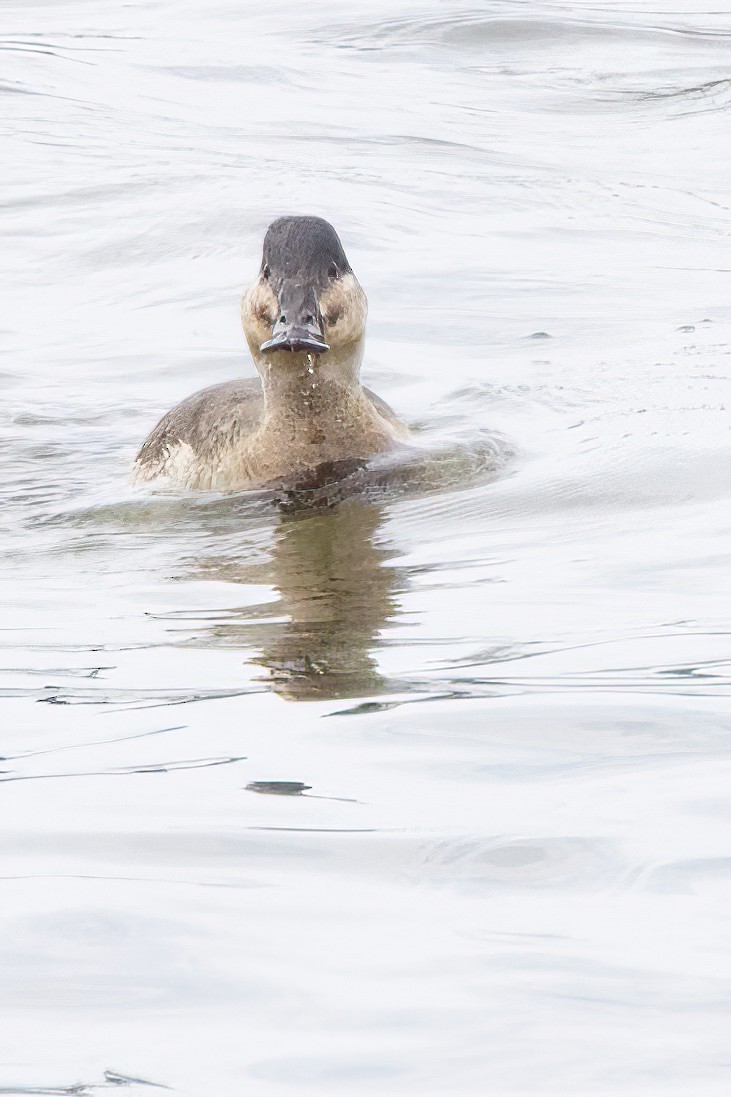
(564, 863)
(472, 32)
(81, 1089)
(122, 771)
(278, 788)
(698, 876)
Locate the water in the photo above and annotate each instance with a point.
(506, 695)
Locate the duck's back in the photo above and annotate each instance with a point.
(189, 442)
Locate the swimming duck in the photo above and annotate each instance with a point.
(304, 321)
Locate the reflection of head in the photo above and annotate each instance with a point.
(337, 592)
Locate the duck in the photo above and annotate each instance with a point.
(304, 321)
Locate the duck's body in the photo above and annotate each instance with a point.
(225, 439)
(308, 407)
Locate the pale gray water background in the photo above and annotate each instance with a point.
(509, 696)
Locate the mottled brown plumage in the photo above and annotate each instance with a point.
(304, 321)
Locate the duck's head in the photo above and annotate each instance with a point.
(306, 308)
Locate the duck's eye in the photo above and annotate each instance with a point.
(265, 272)
(332, 271)
(333, 316)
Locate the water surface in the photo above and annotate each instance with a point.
(426, 792)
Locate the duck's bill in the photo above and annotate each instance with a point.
(299, 340)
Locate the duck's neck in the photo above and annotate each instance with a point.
(315, 412)
(309, 394)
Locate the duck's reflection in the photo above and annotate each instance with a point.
(336, 591)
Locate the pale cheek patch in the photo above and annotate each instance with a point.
(346, 302)
(258, 314)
